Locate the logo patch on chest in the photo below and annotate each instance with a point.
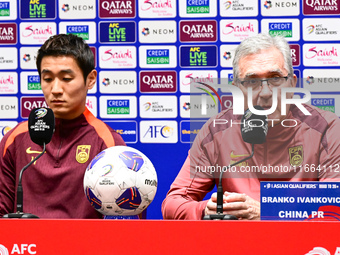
(83, 153)
(295, 155)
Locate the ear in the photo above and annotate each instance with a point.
(294, 81)
(91, 79)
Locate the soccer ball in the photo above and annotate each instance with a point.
(120, 181)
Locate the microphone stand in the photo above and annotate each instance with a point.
(219, 209)
(20, 195)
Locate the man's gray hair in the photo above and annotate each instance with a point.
(255, 44)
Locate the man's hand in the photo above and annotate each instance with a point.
(239, 205)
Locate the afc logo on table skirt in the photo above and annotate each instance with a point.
(19, 249)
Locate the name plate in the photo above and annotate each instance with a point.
(300, 201)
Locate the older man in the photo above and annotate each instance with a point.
(264, 64)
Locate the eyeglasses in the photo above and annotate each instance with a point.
(256, 83)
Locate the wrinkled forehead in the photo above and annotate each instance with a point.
(264, 63)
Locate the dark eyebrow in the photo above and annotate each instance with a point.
(67, 71)
(271, 72)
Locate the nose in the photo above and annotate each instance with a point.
(57, 87)
(265, 92)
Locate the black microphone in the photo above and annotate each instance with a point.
(254, 127)
(254, 130)
(41, 124)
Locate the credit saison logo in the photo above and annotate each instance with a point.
(198, 56)
(198, 6)
(117, 32)
(33, 82)
(80, 31)
(118, 106)
(203, 30)
(4, 9)
(327, 104)
(8, 33)
(281, 29)
(158, 56)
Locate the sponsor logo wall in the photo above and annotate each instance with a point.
(147, 52)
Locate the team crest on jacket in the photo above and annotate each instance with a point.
(295, 155)
(83, 153)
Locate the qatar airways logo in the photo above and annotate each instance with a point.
(158, 81)
(8, 33)
(327, 7)
(198, 31)
(117, 9)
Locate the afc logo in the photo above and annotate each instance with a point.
(19, 249)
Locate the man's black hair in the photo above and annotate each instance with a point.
(68, 45)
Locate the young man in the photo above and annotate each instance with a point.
(263, 63)
(53, 185)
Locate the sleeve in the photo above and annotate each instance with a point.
(330, 152)
(184, 199)
(7, 179)
(194, 181)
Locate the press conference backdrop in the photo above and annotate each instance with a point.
(147, 51)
